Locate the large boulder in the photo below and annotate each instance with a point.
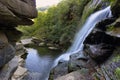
(16, 12)
(99, 52)
(7, 51)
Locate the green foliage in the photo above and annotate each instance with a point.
(58, 24)
(116, 59)
(117, 55)
(110, 28)
(117, 73)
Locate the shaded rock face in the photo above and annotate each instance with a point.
(7, 51)
(13, 13)
(97, 37)
(116, 8)
(99, 52)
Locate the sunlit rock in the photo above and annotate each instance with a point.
(16, 12)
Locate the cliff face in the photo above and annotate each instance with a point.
(13, 13)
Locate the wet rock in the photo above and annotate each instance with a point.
(60, 70)
(99, 52)
(102, 24)
(7, 71)
(97, 37)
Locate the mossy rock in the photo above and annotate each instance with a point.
(115, 7)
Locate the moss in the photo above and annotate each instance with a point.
(110, 28)
(116, 55)
(116, 59)
(117, 73)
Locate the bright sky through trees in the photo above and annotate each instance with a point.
(43, 3)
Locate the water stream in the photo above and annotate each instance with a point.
(43, 64)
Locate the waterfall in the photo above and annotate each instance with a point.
(77, 45)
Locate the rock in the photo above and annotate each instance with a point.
(72, 76)
(19, 46)
(6, 54)
(82, 74)
(110, 66)
(10, 13)
(77, 61)
(116, 23)
(13, 13)
(97, 37)
(115, 8)
(114, 28)
(20, 49)
(99, 52)
(36, 40)
(9, 68)
(60, 70)
(26, 42)
(19, 73)
(102, 24)
(41, 44)
(76, 65)
(52, 48)
(11, 35)
(7, 51)
(33, 76)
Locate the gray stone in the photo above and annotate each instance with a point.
(8, 70)
(19, 73)
(19, 46)
(60, 70)
(26, 41)
(99, 52)
(17, 12)
(6, 54)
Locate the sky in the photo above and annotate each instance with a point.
(43, 3)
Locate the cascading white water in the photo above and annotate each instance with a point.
(77, 45)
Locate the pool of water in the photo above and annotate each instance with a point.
(40, 60)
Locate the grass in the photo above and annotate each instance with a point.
(117, 73)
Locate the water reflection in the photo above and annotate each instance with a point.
(40, 64)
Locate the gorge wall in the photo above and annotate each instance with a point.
(12, 14)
